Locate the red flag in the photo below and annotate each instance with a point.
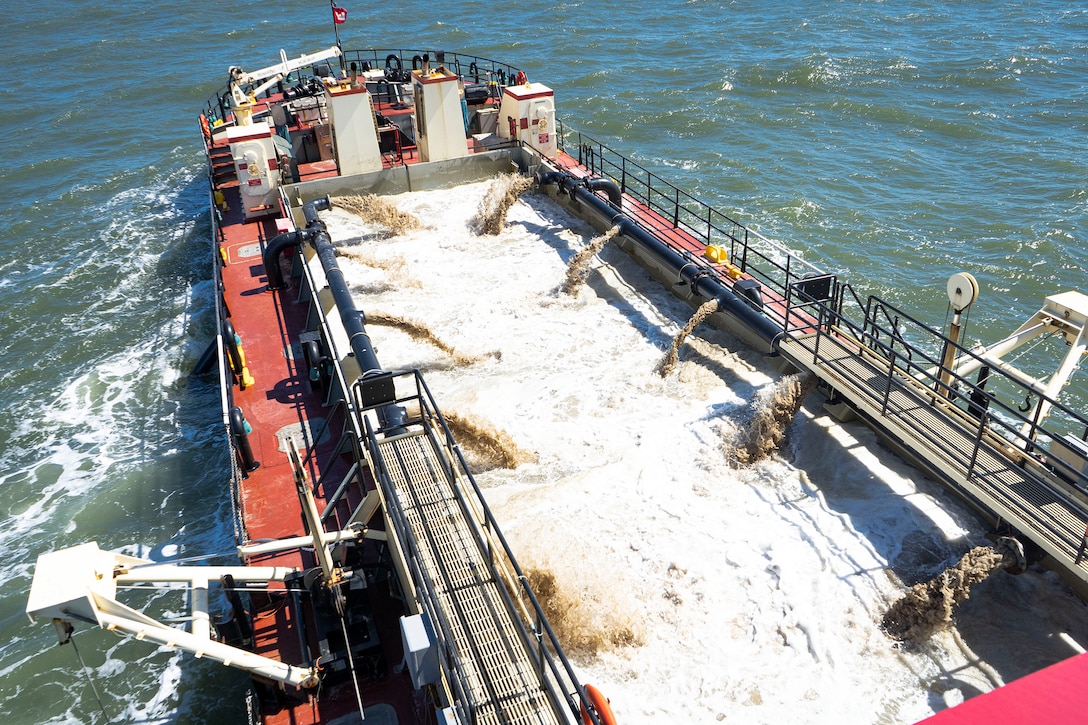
(339, 15)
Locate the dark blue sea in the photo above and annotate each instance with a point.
(894, 143)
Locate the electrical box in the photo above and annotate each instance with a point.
(527, 114)
(323, 136)
(487, 120)
(257, 167)
(354, 129)
(307, 109)
(420, 651)
(439, 116)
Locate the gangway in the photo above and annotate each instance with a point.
(886, 368)
(500, 669)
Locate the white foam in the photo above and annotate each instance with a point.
(161, 707)
(758, 593)
(91, 426)
(111, 417)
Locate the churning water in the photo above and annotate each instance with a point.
(895, 143)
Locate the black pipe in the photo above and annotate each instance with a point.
(738, 303)
(608, 187)
(238, 426)
(547, 178)
(731, 300)
(277, 246)
(350, 317)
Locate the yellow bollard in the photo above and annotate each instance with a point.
(716, 254)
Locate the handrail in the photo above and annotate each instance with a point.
(226, 389)
(469, 67)
(912, 351)
(771, 263)
(557, 677)
(987, 427)
(531, 622)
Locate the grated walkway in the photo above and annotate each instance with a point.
(504, 682)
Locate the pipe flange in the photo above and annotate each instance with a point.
(1013, 560)
(698, 276)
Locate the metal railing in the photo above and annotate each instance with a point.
(908, 352)
(471, 68)
(226, 384)
(771, 263)
(555, 672)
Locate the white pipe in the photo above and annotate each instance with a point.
(189, 574)
(201, 623)
(1036, 384)
(991, 353)
(295, 542)
(1054, 388)
(285, 66)
(309, 512)
(204, 647)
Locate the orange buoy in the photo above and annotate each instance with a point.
(600, 705)
(205, 128)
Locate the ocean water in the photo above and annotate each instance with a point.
(895, 143)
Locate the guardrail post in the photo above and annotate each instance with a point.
(982, 422)
(819, 334)
(888, 385)
(1083, 547)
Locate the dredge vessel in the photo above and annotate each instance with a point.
(372, 579)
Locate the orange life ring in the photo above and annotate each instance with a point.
(599, 703)
(205, 128)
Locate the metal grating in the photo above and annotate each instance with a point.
(505, 685)
(946, 441)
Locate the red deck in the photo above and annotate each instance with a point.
(281, 399)
(679, 239)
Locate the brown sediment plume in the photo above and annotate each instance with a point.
(583, 629)
(485, 446)
(775, 409)
(928, 606)
(396, 267)
(578, 269)
(668, 363)
(379, 210)
(419, 331)
(503, 192)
